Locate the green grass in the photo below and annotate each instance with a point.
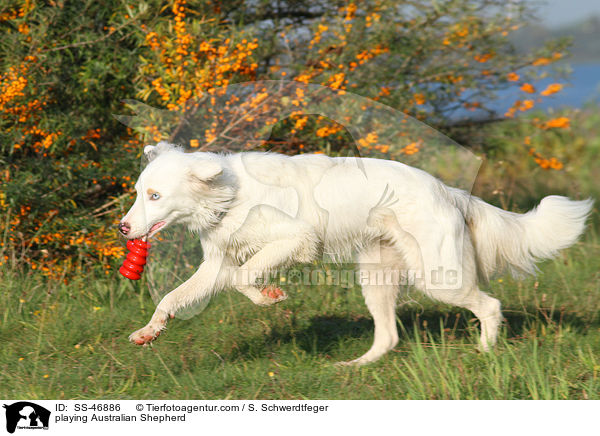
(70, 341)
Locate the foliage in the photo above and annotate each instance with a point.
(62, 152)
(68, 165)
(520, 183)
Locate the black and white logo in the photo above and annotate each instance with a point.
(26, 415)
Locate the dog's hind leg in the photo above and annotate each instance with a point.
(378, 266)
(444, 260)
(462, 291)
(485, 308)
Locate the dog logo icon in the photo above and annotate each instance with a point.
(26, 415)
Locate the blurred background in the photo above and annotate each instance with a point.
(578, 20)
(516, 82)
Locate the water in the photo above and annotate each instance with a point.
(585, 82)
(581, 87)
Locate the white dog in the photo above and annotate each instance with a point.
(256, 212)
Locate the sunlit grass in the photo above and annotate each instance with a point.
(69, 340)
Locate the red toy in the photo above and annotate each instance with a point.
(133, 265)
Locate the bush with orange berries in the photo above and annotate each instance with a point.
(68, 165)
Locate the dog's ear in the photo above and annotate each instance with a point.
(203, 171)
(150, 152)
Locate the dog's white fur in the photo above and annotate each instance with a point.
(255, 212)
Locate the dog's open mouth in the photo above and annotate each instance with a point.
(155, 228)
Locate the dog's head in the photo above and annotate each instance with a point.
(175, 187)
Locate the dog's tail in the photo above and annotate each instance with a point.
(517, 241)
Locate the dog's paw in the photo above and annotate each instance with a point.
(272, 295)
(146, 334)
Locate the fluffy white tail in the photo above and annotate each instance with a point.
(517, 241)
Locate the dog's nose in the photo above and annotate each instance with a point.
(124, 228)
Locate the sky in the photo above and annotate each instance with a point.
(556, 13)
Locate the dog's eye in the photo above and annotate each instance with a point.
(155, 196)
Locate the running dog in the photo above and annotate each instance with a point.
(257, 212)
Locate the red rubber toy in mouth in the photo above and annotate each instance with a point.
(133, 265)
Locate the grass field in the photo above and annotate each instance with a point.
(70, 341)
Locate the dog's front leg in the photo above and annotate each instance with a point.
(210, 277)
(263, 297)
(273, 255)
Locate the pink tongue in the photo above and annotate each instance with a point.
(156, 226)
